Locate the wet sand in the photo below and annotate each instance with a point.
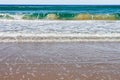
(60, 61)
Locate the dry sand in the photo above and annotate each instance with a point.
(60, 61)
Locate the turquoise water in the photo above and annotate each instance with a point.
(60, 12)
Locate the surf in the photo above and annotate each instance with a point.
(61, 16)
(60, 12)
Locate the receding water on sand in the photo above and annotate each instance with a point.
(60, 61)
(24, 56)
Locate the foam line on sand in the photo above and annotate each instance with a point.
(20, 37)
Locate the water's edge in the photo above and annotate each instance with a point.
(57, 37)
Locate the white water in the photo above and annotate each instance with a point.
(56, 28)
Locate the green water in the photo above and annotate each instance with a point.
(60, 12)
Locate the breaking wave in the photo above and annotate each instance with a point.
(61, 16)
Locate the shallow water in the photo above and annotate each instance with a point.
(60, 61)
(62, 27)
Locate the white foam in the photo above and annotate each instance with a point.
(18, 37)
(56, 30)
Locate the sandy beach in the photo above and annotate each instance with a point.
(60, 61)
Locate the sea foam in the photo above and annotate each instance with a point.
(57, 30)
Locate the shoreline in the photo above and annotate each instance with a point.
(60, 61)
(22, 37)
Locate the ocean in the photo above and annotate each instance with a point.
(60, 12)
(36, 22)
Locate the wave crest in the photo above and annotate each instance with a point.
(61, 16)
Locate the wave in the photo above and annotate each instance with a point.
(61, 16)
(6, 16)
